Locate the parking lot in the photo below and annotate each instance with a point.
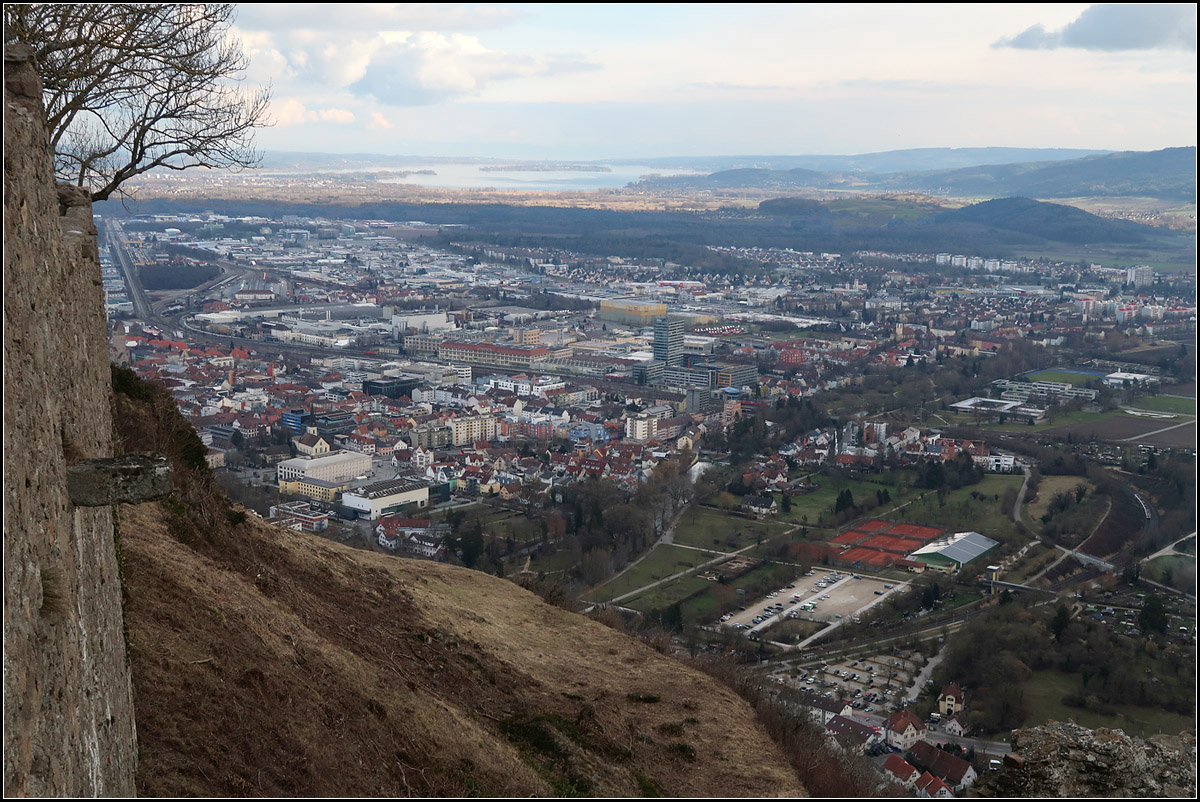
(824, 596)
(873, 684)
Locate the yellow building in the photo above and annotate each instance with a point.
(316, 489)
(636, 313)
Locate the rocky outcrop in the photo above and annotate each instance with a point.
(68, 708)
(1067, 761)
(127, 479)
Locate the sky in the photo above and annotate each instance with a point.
(583, 81)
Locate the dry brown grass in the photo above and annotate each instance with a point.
(292, 666)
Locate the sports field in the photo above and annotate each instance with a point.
(1073, 377)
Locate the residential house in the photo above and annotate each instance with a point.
(313, 445)
(957, 773)
(900, 771)
(930, 787)
(759, 506)
(850, 734)
(904, 729)
(823, 710)
(951, 700)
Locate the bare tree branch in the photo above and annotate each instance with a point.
(129, 88)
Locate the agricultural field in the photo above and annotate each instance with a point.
(1181, 437)
(1185, 388)
(1118, 426)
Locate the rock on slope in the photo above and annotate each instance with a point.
(1067, 761)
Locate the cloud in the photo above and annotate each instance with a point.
(289, 111)
(415, 69)
(377, 17)
(379, 122)
(1116, 27)
(340, 116)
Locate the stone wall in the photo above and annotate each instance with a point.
(68, 707)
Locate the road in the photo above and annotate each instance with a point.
(137, 293)
(1016, 510)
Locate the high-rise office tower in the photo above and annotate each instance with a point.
(668, 340)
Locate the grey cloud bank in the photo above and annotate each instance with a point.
(1116, 27)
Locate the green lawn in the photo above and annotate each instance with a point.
(1072, 378)
(1044, 693)
(665, 595)
(810, 507)
(1161, 568)
(1166, 403)
(559, 561)
(661, 561)
(963, 512)
(705, 527)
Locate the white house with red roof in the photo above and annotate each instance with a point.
(930, 787)
(904, 729)
(951, 700)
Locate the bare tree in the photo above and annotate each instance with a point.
(130, 88)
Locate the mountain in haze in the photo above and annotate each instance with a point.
(1165, 174)
(891, 161)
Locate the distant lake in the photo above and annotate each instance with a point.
(469, 176)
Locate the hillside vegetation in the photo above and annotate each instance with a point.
(275, 663)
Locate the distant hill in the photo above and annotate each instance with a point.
(891, 161)
(1166, 174)
(1050, 221)
(752, 177)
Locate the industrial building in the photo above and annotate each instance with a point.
(373, 500)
